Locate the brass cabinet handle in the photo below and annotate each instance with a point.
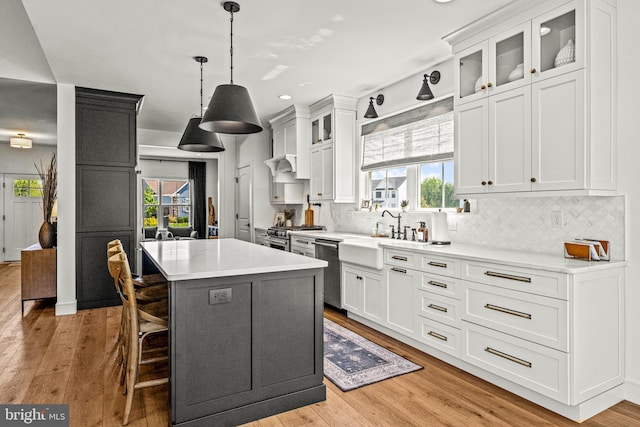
(483, 87)
(399, 270)
(508, 276)
(438, 284)
(319, 194)
(275, 197)
(399, 258)
(437, 335)
(437, 307)
(533, 179)
(508, 357)
(533, 71)
(484, 183)
(437, 264)
(489, 84)
(490, 182)
(508, 311)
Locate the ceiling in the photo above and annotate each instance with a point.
(303, 48)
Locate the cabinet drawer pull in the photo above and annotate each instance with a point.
(533, 71)
(437, 264)
(437, 307)
(438, 284)
(508, 357)
(304, 242)
(399, 258)
(437, 335)
(358, 277)
(508, 276)
(399, 270)
(508, 311)
(319, 194)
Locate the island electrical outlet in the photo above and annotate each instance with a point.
(219, 296)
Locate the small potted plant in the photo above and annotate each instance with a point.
(404, 204)
(288, 217)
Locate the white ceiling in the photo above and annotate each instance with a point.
(304, 48)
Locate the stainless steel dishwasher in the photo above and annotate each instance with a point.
(327, 250)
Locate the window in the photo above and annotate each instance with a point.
(171, 198)
(27, 188)
(409, 156)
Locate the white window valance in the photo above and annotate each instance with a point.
(420, 135)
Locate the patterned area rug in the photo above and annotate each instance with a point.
(351, 361)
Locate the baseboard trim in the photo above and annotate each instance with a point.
(66, 308)
(632, 391)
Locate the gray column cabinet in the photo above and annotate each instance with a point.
(105, 188)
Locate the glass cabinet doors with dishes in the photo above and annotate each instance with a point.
(547, 46)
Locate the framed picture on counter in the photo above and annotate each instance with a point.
(366, 204)
(278, 221)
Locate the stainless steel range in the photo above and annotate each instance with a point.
(280, 237)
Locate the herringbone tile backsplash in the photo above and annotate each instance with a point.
(522, 224)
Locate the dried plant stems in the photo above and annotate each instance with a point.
(49, 176)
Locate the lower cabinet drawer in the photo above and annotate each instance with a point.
(530, 365)
(442, 285)
(437, 307)
(438, 335)
(539, 319)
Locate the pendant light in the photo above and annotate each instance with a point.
(231, 109)
(194, 138)
(425, 92)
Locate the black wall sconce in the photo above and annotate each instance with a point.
(371, 112)
(425, 92)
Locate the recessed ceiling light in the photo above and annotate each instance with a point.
(285, 97)
(544, 31)
(442, 1)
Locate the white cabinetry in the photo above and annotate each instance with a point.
(363, 292)
(291, 145)
(303, 245)
(531, 116)
(332, 153)
(400, 290)
(287, 193)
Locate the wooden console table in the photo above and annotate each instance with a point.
(38, 273)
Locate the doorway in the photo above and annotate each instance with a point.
(244, 206)
(22, 207)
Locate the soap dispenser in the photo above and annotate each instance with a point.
(423, 233)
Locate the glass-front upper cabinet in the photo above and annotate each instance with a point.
(492, 66)
(322, 128)
(471, 73)
(558, 44)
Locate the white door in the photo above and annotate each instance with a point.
(22, 213)
(471, 147)
(243, 203)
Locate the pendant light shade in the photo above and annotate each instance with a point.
(231, 111)
(230, 108)
(194, 138)
(425, 91)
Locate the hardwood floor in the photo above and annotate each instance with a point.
(69, 359)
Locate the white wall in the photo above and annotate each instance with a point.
(628, 179)
(16, 160)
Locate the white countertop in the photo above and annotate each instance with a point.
(199, 259)
(523, 259)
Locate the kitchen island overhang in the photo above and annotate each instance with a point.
(245, 329)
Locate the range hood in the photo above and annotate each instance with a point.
(283, 168)
(291, 145)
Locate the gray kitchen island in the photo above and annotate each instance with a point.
(245, 327)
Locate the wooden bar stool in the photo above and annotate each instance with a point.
(141, 324)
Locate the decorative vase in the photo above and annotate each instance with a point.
(517, 73)
(288, 223)
(566, 55)
(47, 235)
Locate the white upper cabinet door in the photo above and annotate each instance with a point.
(558, 134)
(558, 41)
(327, 172)
(510, 141)
(471, 73)
(471, 147)
(510, 59)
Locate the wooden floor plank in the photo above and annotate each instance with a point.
(70, 359)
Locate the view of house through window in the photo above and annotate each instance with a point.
(166, 202)
(388, 187)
